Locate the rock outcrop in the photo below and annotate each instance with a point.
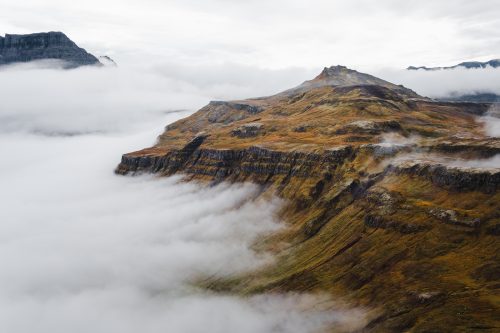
(453, 178)
(43, 46)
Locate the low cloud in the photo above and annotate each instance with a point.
(446, 83)
(39, 97)
(53, 101)
(492, 121)
(84, 250)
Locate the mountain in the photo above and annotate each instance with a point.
(391, 199)
(42, 46)
(468, 64)
(343, 76)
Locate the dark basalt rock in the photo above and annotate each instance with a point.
(252, 109)
(493, 230)
(452, 178)
(247, 130)
(370, 127)
(228, 112)
(477, 109)
(41, 46)
(483, 148)
(385, 150)
(220, 163)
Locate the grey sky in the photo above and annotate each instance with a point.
(270, 34)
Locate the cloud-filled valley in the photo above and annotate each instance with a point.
(249, 166)
(445, 83)
(84, 250)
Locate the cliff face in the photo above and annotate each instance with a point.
(40, 46)
(414, 240)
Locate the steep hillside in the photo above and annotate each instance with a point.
(392, 199)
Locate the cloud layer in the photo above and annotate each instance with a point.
(272, 34)
(84, 250)
(444, 83)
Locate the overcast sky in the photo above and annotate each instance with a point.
(269, 34)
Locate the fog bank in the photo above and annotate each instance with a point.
(84, 250)
(445, 83)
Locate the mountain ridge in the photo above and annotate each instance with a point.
(494, 63)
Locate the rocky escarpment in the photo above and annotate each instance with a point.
(233, 164)
(453, 178)
(42, 46)
(379, 212)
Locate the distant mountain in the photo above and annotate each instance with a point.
(476, 98)
(42, 46)
(468, 64)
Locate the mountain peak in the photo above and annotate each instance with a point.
(342, 76)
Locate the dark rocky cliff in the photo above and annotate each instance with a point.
(42, 46)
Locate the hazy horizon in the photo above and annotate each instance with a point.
(269, 35)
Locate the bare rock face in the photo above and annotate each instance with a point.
(248, 130)
(370, 127)
(228, 112)
(43, 46)
(452, 178)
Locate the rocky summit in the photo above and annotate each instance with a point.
(392, 200)
(43, 46)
